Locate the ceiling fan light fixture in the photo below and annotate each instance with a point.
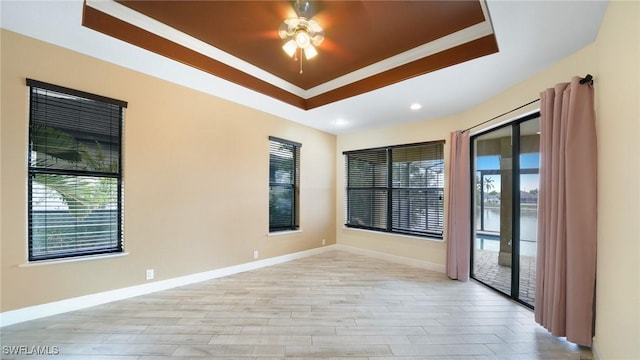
(290, 48)
(303, 40)
(310, 52)
(301, 34)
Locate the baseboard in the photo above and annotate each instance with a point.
(394, 258)
(595, 351)
(58, 307)
(82, 302)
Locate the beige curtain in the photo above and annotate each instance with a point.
(566, 262)
(459, 207)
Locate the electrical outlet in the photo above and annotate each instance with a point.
(256, 254)
(149, 274)
(324, 242)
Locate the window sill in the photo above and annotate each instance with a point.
(284, 232)
(396, 234)
(74, 259)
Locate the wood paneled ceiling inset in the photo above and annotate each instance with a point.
(368, 45)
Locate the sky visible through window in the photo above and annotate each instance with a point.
(527, 161)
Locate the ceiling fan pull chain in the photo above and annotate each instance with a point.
(300, 61)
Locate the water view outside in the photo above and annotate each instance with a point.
(528, 229)
(487, 266)
(494, 240)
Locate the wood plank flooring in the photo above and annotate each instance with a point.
(333, 305)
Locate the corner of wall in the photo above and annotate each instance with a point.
(618, 110)
(595, 350)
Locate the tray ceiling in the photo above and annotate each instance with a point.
(369, 44)
(531, 36)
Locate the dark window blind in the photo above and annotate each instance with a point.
(418, 189)
(284, 180)
(396, 189)
(367, 189)
(75, 176)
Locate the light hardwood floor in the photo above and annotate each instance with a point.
(333, 305)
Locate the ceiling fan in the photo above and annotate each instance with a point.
(302, 34)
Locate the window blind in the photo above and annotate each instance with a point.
(367, 189)
(75, 178)
(284, 179)
(418, 189)
(396, 189)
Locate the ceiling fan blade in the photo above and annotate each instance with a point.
(317, 38)
(292, 23)
(314, 26)
(283, 30)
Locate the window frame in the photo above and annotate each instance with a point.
(389, 188)
(294, 186)
(33, 171)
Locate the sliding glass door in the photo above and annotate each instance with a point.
(505, 187)
(528, 184)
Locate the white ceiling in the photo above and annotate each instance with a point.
(531, 36)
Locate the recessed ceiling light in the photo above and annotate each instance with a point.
(340, 122)
(415, 106)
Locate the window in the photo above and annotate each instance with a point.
(284, 181)
(75, 173)
(396, 189)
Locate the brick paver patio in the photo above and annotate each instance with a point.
(489, 272)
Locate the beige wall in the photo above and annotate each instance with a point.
(614, 60)
(183, 212)
(434, 251)
(431, 251)
(195, 172)
(618, 129)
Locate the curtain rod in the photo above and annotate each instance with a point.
(588, 79)
(503, 114)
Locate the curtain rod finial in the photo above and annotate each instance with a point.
(587, 79)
